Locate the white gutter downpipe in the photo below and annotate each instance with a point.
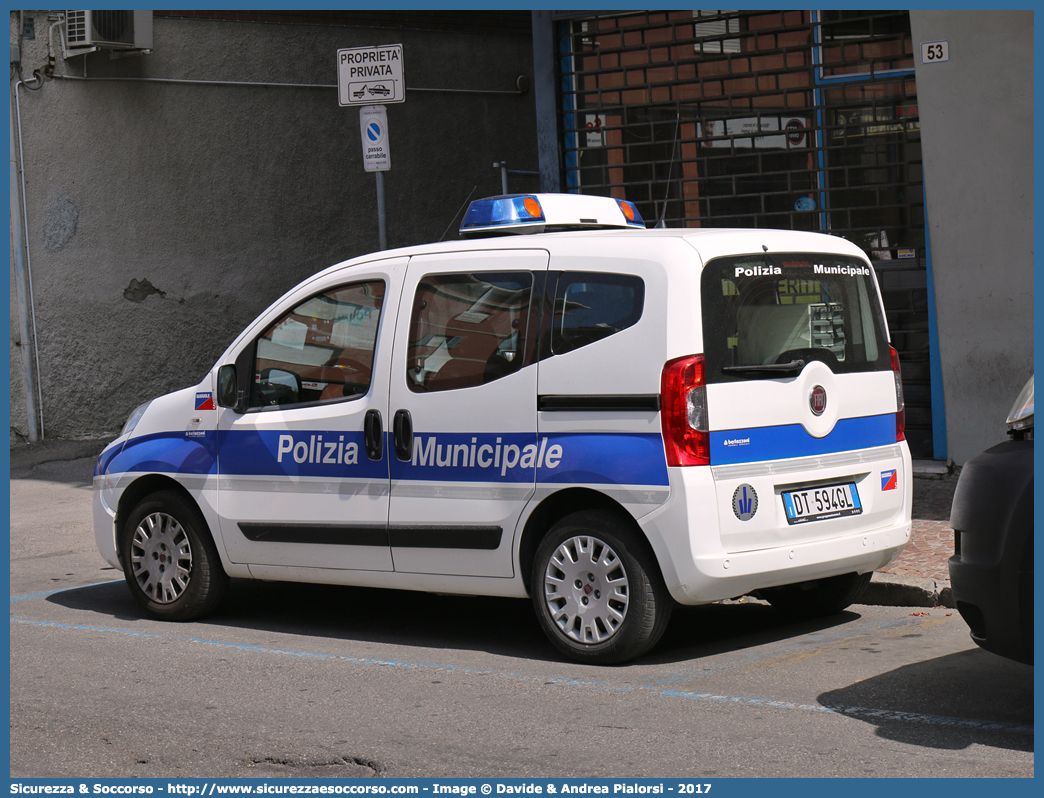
(22, 285)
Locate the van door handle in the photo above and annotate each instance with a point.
(373, 434)
(402, 433)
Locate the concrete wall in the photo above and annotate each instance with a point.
(976, 114)
(163, 217)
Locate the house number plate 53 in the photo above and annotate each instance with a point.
(935, 52)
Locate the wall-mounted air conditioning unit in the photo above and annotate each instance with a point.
(112, 30)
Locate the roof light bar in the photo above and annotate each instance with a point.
(537, 213)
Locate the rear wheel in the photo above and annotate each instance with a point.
(169, 559)
(597, 589)
(820, 597)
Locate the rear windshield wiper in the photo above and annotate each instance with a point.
(784, 368)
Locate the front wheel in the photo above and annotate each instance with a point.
(819, 598)
(597, 589)
(169, 559)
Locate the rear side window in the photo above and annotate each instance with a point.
(591, 306)
(467, 329)
(773, 309)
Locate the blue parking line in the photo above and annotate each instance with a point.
(863, 713)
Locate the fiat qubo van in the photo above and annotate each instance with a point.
(563, 406)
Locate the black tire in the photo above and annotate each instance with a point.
(820, 597)
(597, 590)
(169, 559)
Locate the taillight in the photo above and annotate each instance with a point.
(900, 404)
(683, 412)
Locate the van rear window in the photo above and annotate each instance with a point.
(775, 309)
(590, 306)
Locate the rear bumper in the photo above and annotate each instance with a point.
(732, 575)
(706, 553)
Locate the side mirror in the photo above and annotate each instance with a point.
(227, 388)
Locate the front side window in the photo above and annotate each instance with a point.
(771, 310)
(321, 350)
(467, 329)
(591, 306)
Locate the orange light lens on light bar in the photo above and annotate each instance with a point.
(630, 212)
(532, 207)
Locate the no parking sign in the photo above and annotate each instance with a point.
(373, 124)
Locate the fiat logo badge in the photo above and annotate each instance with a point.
(817, 400)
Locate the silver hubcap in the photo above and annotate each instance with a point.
(161, 558)
(586, 590)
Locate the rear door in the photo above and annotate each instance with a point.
(463, 410)
(801, 397)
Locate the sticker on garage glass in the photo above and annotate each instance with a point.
(745, 502)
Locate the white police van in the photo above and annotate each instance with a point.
(608, 421)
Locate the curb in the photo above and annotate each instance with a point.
(28, 456)
(893, 590)
(933, 469)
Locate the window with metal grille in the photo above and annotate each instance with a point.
(798, 120)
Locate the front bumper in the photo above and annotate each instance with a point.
(105, 523)
(991, 572)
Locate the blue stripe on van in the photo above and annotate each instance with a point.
(585, 458)
(183, 452)
(791, 440)
(608, 459)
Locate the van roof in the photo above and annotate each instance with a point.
(708, 242)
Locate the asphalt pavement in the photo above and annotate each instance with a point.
(917, 578)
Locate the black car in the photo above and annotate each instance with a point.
(991, 571)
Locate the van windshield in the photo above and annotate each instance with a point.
(765, 316)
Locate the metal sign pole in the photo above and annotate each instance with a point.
(373, 124)
(382, 229)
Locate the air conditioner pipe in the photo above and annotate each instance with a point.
(23, 287)
(49, 69)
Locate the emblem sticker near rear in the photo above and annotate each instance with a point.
(745, 502)
(889, 480)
